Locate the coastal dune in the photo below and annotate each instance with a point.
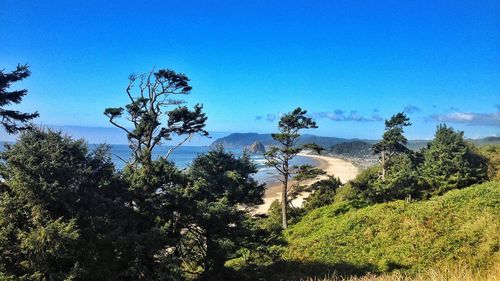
(337, 167)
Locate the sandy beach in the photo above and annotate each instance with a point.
(333, 166)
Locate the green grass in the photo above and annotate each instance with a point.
(460, 227)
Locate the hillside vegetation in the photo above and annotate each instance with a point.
(461, 226)
(352, 149)
(492, 153)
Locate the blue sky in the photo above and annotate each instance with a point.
(351, 64)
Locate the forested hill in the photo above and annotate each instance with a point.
(332, 144)
(241, 140)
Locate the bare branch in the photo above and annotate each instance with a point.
(189, 137)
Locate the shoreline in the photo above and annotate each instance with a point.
(338, 167)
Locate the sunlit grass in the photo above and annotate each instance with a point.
(457, 273)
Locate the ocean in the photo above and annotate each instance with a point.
(184, 155)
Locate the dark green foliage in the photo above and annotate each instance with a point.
(323, 193)
(157, 188)
(365, 181)
(221, 174)
(61, 211)
(273, 218)
(65, 214)
(218, 229)
(13, 121)
(157, 196)
(461, 226)
(401, 182)
(352, 149)
(301, 174)
(190, 223)
(279, 157)
(314, 147)
(450, 162)
(393, 141)
(157, 92)
(346, 192)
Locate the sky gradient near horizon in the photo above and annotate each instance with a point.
(351, 64)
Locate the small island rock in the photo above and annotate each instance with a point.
(257, 148)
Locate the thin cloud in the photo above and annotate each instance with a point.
(410, 109)
(470, 118)
(377, 117)
(341, 116)
(271, 117)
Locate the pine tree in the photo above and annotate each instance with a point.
(393, 141)
(218, 226)
(62, 211)
(12, 120)
(157, 93)
(280, 156)
(450, 162)
(314, 147)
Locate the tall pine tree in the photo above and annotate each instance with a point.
(12, 120)
(279, 157)
(393, 141)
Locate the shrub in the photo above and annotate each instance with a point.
(451, 163)
(323, 193)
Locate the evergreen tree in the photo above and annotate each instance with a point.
(62, 211)
(280, 156)
(157, 186)
(401, 182)
(301, 174)
(393, 141)
(323, 193)
(314, 147)
(157, 93)
(12, 120)
(450, 162)
(218, 226)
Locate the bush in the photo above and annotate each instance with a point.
(323, 193)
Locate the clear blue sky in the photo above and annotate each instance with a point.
(349, 63)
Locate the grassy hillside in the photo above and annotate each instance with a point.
(460, 227)
(460, 273)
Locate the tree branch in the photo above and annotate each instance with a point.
(177, 146)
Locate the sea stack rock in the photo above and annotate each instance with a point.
(257, 148)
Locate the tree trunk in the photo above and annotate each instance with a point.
(383, 166)
(284, 203)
